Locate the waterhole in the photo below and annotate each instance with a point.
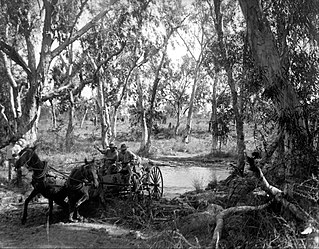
(180, 179)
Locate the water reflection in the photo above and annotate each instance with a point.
(178, 180)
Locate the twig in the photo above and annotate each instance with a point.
(185, 240)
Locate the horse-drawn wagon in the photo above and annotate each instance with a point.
(143, 179)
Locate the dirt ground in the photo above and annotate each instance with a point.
(94, 232)
(36, 233)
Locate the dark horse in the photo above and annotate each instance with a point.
(75, 188)
(78, 185)
(42, 182)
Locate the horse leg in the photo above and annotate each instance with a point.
(71, 210)
(50, 210)
(26, 203)
(78, 204)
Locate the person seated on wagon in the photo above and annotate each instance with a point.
(128, 160)
(110, 158)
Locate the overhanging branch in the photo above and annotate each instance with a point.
(14, 55)
(19, 134)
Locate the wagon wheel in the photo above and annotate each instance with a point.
(135, 188)
(155, 183)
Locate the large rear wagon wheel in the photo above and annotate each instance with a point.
(155, 183)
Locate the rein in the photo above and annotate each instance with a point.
(81, 182)
(44, 170)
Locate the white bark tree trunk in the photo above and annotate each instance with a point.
(69, 137)
(213, 120)
(141, 108)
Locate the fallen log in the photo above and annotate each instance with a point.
(278, 194)
(273, 191)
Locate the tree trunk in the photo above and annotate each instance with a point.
(141, 109)
(84, 116)
(31, 109)
(104, 114)
(267, 56)
(213, 120)
(188, 128)
(237, 107)
(151, 113)
(69, 137)
(53, 115)
(239, 122)
(113, 120)
(178, 119)
(272, 61)
(154, 92)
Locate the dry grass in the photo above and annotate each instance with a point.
(198, 184)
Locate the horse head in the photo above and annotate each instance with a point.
(90, 172)
(25, 156)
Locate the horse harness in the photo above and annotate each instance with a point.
(41, 178)
(81, 183)
(37, 177)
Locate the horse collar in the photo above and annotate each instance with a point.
(44, 172)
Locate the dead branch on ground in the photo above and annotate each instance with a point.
(273, 191)
(223, 214)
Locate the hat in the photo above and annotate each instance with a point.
(112, 145)
(123, 147)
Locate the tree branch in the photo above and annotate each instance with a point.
(78, 34)
(19, 134)
(66, 89)
(223, 214)
(14, 55)
(273, 191)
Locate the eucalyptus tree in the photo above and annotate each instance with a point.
(195, 37)
(103, 45)
(147, 63)
(29, 43)
(178, 83)
(227, 50)
(283, 37)
(172, 20)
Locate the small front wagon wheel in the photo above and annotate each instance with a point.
(155, 183)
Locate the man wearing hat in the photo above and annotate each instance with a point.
(128, 160)
(110, 156)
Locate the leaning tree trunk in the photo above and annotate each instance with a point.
(84, 117)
